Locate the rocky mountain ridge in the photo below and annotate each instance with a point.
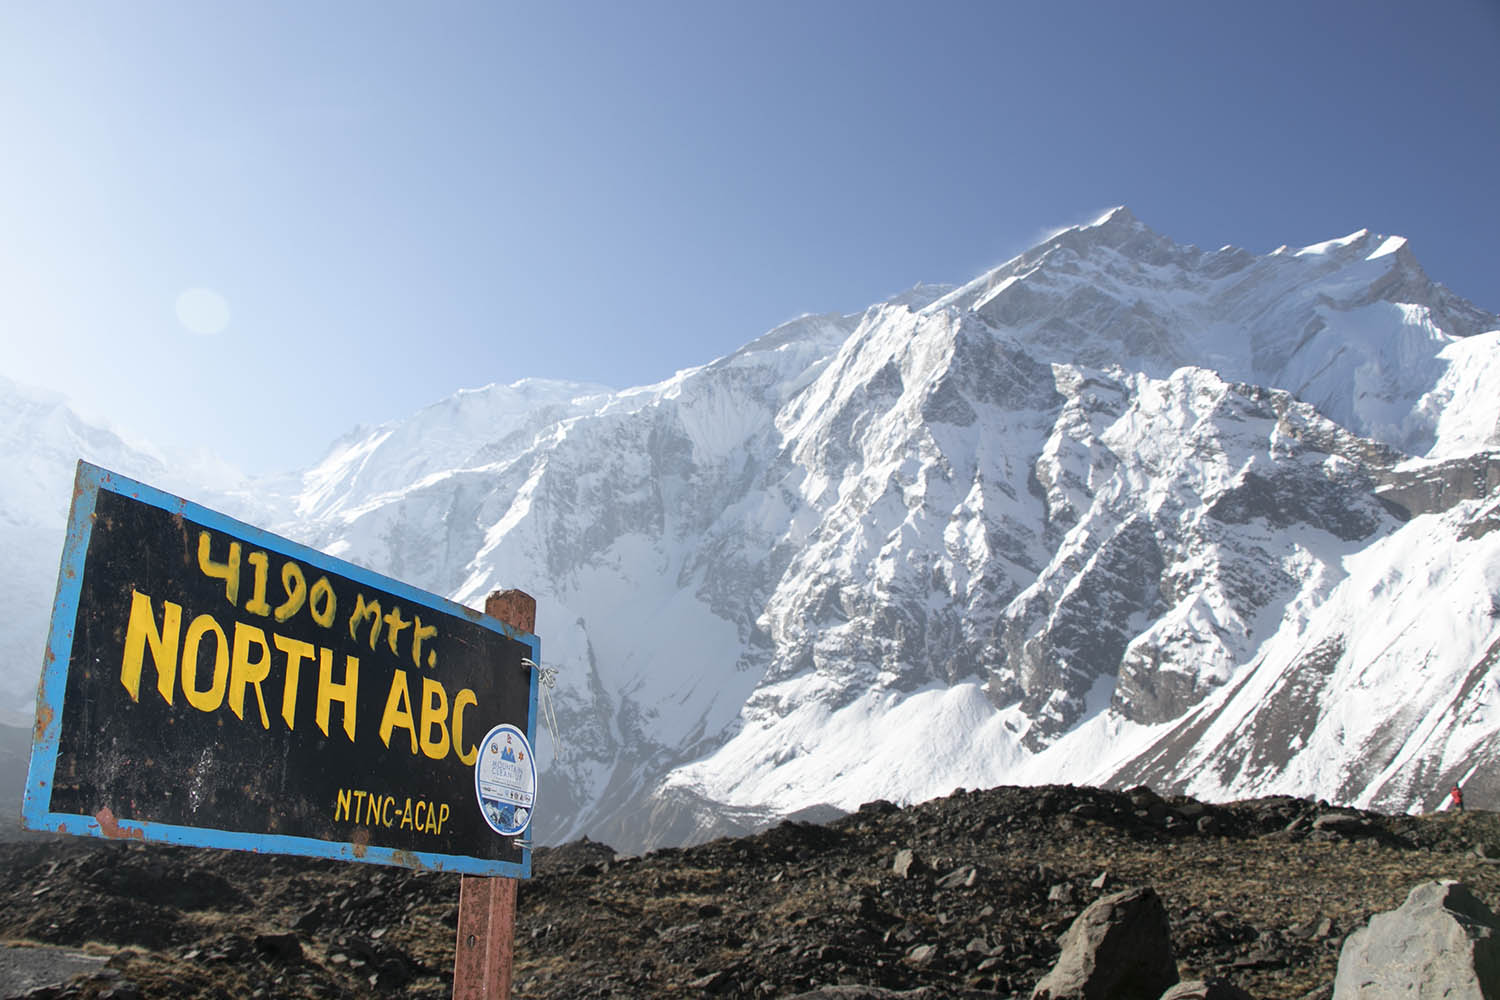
(1118, 510)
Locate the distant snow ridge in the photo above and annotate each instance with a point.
(1118, 510)
(41, 439)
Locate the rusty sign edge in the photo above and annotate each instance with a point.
(49, 693)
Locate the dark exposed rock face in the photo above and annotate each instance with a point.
(1119, 948)
(1289, 498)
(1259, 895)
(1434, 489)
(1133, 566)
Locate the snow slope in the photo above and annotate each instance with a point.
(41, 440)
(1120, 509)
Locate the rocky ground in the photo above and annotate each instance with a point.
(958, 897)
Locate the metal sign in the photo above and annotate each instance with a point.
(211, 684)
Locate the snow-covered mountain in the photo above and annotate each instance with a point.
(42, 437)
(1117, 510)
(42, 441)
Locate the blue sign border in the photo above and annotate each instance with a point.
(35, 814)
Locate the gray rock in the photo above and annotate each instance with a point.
(713, 983)
(1206, 989)
(1345, 823)
(27, 968)
(1119, 948)
(1315, 929)
(907, 863)
(965, 877)
(1442, 942)
(851, 992)
(922, 954)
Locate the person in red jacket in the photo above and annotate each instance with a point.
(1457, 797)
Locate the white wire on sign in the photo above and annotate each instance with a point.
(547, 680)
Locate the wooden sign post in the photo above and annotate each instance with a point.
(484, 954)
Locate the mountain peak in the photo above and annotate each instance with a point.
(999, 538)
(1117, 216)
(1118, 230)
(1355, 241)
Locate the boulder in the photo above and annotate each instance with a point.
(1119, 948)
(1347, 824)
(908, 864)
(1442, 942)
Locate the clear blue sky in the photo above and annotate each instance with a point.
(398, 201)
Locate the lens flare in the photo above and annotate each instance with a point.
(202, 311)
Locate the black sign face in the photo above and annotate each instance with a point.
(209, 683)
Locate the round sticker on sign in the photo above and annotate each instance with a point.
(505, 780)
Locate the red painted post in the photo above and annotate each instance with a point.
(485, 951)
(483, 959)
